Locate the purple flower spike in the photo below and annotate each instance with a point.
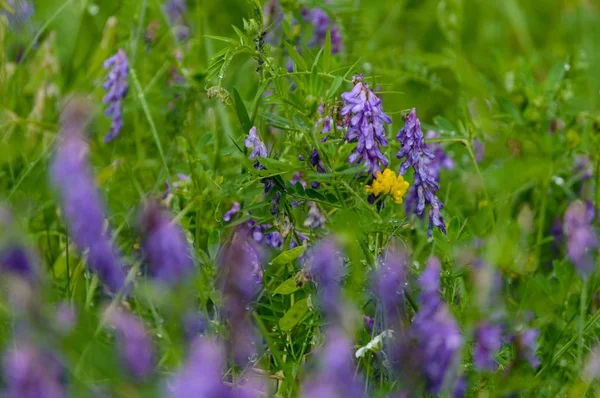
(436, 332)
(325, 268)
(389, 285)
(258, 147)
(117, 88)
(29, 372)
(315, 218)
(19, 262)
(425, 183)
(488, 341)
(581, 239)
(165, 246)
(366, 125)
(335, 378)
(526, 342)
(235, 208)
(83, 208)
(136, 349)
(201, 375)
(479, 150)
(321, 23)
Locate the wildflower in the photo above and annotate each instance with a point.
(366, 125)
(83, 208)
(200, 377)
(135, 348)
(240, 270)
(258, 147)
(479, 149)
(488, 341)
(23, 10)
(526, 343)
(30, 372)
(235, 208)
(298, 178)
(369, 323)
(335, 377)
(321, 23)
(19, 262)
(65, 317)
(175, 10)
(581, 239)
(436, 332)
(325, 268)
(117, 89)
(417, 156)
(165, 245)
(388, 184)
(389, 285)
(315, 218)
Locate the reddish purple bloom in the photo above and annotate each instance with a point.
(366, 125)
(165, 246)
(117, 88)
(82, 205)
(419, 157)
(134, 345)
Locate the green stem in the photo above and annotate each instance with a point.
(597, 193)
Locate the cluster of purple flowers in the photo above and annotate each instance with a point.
(117, 88)
(321, 23)
(418, 156)
(325, 268)
(366, 125)
(581, 239)
(175, 10)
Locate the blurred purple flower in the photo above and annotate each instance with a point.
(366, 125)
(321, 23)
(581, 239)
(488, 341)
(83, 208)
(439, 339)
(239, 277)
(200, 377)
(117, 88)
(425, 182)
(258, 147)
(134, 345)
(526, 343)
(194, 324)
(17, 261)
(369, 323)
(315, 218)
(165, 246)
(325, 268)
(29, 372)
(478, 149)
(273, 16)
(298, 178)
(335, 377)
(23, 11)
(235, 208)
(175, 10)
(389, 285)
(65, 316)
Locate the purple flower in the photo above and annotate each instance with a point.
(436, 332)
(117, 88)
(29, 372)
(235, 208)
(321, 23)
(240, 275)
(488, 341)
(389, 285)
(369, 323)
(258, 147)
(298, 178)
(83, 208)
(65, 316)
(325, 268)
(135, 347)
(366, 125)
(200, 377)
(23, 11)
(315, 218)
(17, 261)
(194, 324)
(581, 239)
(526, 343)
(335, 377)
(425, 181)
(165, 246)
(175, 10)
(479, 150)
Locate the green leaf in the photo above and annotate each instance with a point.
(296, 57)
(288, 256)
(327, 52)
(222, 38)
(335, 85)
(287, 287)
(241, 111)
(214, 241)
(293, 316)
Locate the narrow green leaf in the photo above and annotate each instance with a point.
(288, 256)
(214, 241)
(287, 287)
(335, 85)
(222, 38)
(296, 57)
(293, 316)
(327, 52)
(241, 111)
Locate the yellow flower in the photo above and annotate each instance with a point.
(388, 184)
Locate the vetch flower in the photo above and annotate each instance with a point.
(325, 268)
(387, 183)
(83, 208)
(18, 261)
(30, 372)
(258, 147)
(175, 10)
(165, 246)
(526, 343)
(389, 285)
(315, 218)
(134, 345)
(418, 157)
(235, 208)
(366, 125)
(581, 239)
(321, 23)
(23, 11)
(117, 88)
(488, 341)
(436, 332)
